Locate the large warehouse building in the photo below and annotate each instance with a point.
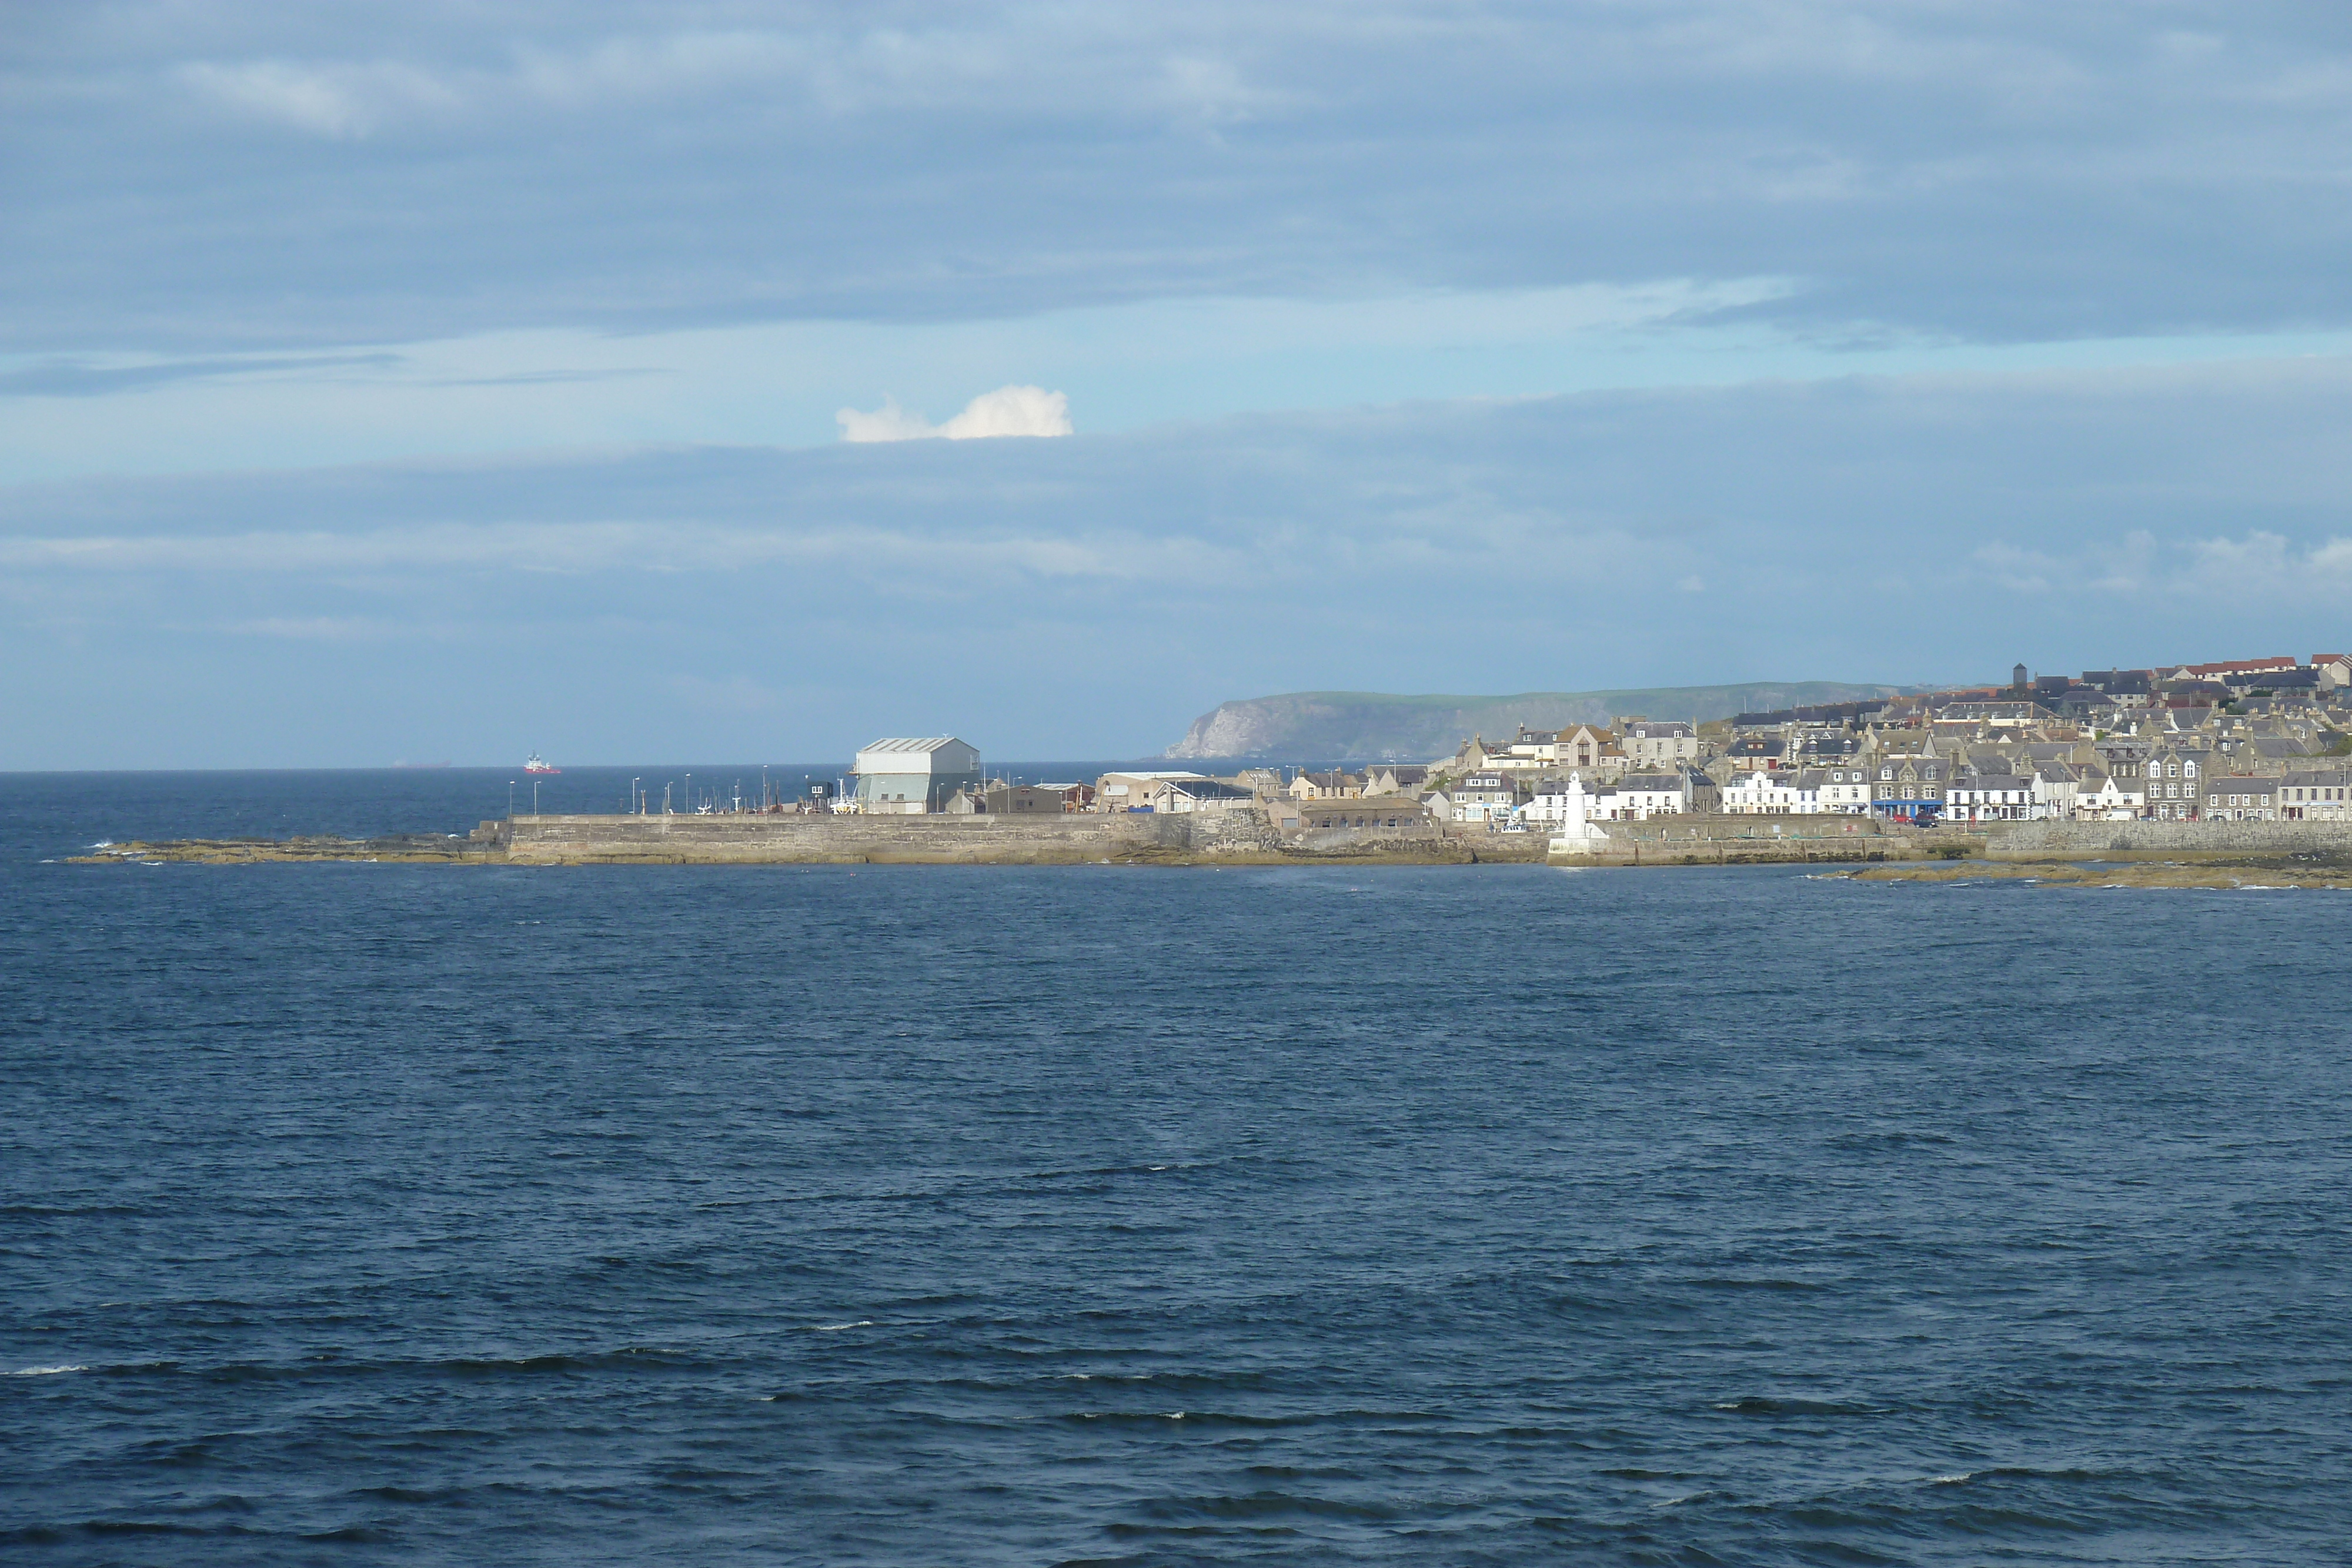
(908, 778)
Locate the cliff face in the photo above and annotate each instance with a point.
(1374, 726)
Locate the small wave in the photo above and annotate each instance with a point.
(836, 1328)
(1171, 1515)
(1723, 1282)
(1758, 1405)
(44, 1371)
(1959, 1478)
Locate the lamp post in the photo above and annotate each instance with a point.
(510, 798)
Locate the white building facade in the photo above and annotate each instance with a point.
(1773, 794)
(912, 776)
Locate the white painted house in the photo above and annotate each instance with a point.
(1989, 798)
(1846, 791)
(2111, 801)
(1777, 793)
(1638, 796)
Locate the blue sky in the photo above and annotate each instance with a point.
(353, 356)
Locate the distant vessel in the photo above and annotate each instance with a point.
(538, 764)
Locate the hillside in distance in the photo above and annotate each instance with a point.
(1377, 726)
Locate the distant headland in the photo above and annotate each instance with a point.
(1381, 726)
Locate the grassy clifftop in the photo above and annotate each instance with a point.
(1378, 725)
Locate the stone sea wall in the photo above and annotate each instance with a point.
(1244, 837)
(2154, 841)
(1726, 840)
(1236, 837)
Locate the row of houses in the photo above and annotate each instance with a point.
(2247, 739)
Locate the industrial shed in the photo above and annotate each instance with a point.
(911, 776)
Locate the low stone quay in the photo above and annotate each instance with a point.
(2183, 853)
(1225, 838)
(1237, 838)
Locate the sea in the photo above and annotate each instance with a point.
(463, 1214)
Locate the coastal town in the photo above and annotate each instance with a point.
(2208, 773)
(2239, 740)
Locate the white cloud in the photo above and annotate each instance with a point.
(339, 100)
(888, 422)
(1007, 411)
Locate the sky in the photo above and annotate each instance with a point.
(746, 382)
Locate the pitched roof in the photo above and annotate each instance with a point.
(924, 744)
(1206, 790)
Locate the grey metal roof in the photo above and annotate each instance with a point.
(925, 744)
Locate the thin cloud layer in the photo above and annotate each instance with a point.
(1007, 411)
(1078, 598)
(203, 178)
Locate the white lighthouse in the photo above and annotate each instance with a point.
(1578, 834)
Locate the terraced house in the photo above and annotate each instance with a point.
(2234, 797)
(2173, 776)
(2317, 797)
(1910, 788)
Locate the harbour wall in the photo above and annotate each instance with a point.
(1737, 840)
(2163, 840)
(1245, 837)
(1242, 838)
(1226, 837)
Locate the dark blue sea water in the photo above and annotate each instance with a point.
(897, 1216)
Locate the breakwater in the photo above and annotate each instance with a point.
(1219, 837)
(1234, 838)
(1246, 838)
